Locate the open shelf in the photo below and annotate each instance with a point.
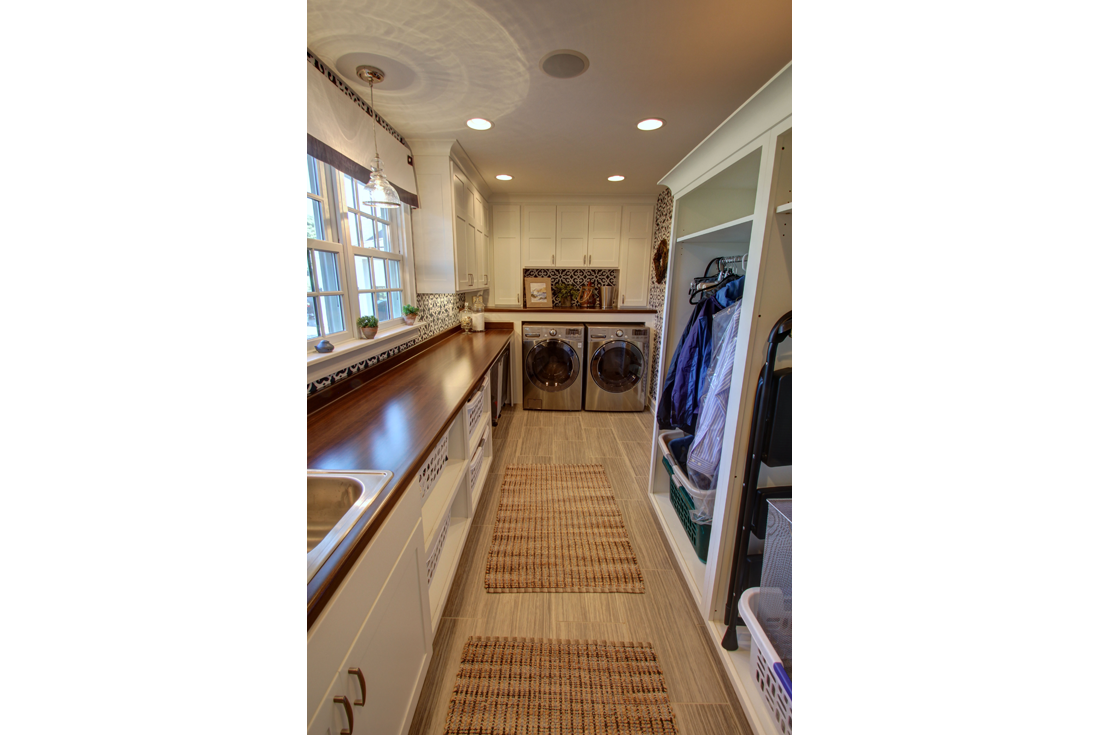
(694, 570)
(735, 231)
(784, 208)
(446, 567)
(739, 666)
(439, 501)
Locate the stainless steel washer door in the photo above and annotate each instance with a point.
(552, 365)
(617, 366)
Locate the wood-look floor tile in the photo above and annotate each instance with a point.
(595, 420)
(571, 630)
(467, 598)
(538, 418)
(504, 454)
(627, 428)
(567, 424)
(645, 418)
(533, 459)
(521, 614)
(645, 537)
(431, 710)
(602, 442)
(490, 498)
(637, 456)
(710, 719)
(624, 483)
(571, 452)
(536, 440)
(581, 607)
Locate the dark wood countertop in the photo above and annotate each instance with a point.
(570, 311)
(392, 423)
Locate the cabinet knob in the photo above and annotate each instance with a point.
(362, 685)
(347, 710)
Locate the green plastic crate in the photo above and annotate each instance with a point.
(698, 534)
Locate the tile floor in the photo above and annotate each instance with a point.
(665, 615)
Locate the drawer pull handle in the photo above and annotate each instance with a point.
(362, 686)
(347, 710)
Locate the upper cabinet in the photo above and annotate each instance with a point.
(539, 235)
(450, 229)
(507, 271)
(572, 236)
(605, 222)
(634, 247)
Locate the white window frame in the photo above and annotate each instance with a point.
(335, 225)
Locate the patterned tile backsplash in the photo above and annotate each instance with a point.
(576, 277)
(438, 313)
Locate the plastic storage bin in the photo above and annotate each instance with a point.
(682, 503)
(768, 672)
(475, 407)
(433, 467)
(773, 605)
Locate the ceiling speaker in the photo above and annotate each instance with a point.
(564, 64)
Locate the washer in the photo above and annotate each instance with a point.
(553, 367)
(617, 367)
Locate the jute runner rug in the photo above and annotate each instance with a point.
(558, 687)
(558, 529)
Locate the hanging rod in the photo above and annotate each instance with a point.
(726, 267)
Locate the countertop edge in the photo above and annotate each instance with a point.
(323, 586)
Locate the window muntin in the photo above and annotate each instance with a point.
(356, 260)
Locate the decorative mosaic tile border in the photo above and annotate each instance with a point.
(662, 228)
(438, 313)
(343, 87)
(578, 278)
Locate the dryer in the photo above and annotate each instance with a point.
(553, 367)
(616, 367)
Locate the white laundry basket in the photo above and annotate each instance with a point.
(768, 672)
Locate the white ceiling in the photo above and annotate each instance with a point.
(690, 62)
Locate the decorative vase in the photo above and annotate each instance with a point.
(368, 332)
(410, 319)
(567, 302)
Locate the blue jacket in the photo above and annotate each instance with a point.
(679, 406)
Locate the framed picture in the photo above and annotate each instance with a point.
(537, 293)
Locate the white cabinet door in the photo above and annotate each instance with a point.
(539, 232)
(479, 212)
(572, 237)
(463, 266)
(481, 277)
(635, 250)
(604, 222)
(460, 198)
(332, 718)
(472, 264)
(394, 647)
(507, 271)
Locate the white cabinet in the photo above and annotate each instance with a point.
(450, 228)
(379, 623)
(507, 271)
(604, 225)
(539, 235)
(572, 236)
(634, 250)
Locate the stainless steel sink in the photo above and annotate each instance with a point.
(334, 502)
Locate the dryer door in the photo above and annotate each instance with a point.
(552, 365)
(617, 366)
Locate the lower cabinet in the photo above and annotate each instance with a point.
(375, 688)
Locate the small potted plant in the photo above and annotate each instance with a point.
(566, 292)
(411, 313)
(368, 326)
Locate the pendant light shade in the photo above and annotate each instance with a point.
(380, 191)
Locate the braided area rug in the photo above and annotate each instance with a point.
(558, 529)
(524, 686)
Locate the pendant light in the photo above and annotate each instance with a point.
(380, 192)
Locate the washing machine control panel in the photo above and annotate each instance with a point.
(618, 333)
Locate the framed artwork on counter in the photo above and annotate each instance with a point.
(536, 292)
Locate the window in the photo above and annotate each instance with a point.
(356, 263)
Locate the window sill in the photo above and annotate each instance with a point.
(351, 351)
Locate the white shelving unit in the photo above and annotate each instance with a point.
(736, 231)
(732, 196)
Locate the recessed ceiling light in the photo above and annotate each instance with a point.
(479, 123)
(651, 124)
(504, 177)
(616, 177)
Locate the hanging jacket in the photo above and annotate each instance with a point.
(679, 406)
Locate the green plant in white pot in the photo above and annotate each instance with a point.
(368, 326)
(410, 312)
